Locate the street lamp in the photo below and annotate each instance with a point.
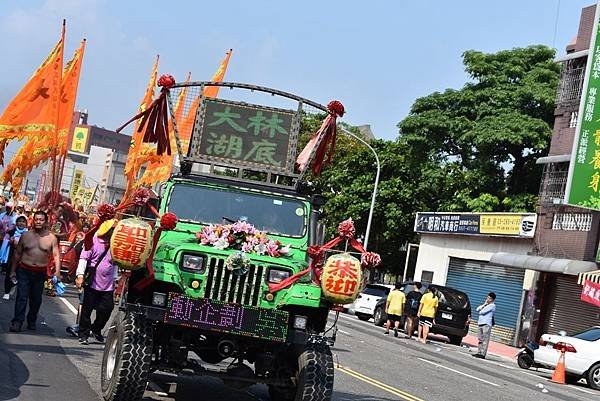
(367, 232)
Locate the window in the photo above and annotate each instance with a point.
(553, 184)
(572, 221)
(427, 276)
(573, 120)
(272, 213)
(592, 334)
(376, 290)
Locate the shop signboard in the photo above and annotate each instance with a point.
(498, 224)
(590, 293)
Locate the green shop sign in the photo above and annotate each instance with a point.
(241, 134)
(583, 182)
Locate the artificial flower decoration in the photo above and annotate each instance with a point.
(241, 236)
(238, 263)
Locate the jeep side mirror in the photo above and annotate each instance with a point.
(318, 201)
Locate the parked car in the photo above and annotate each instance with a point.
(583, 361)
(452, 317)
(364, 305)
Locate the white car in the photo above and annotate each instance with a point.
(584, 362)
(364, 305)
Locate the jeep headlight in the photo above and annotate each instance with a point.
(278, 275)
(192, 263)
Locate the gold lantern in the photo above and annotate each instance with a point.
(341, 279)
(131, 243)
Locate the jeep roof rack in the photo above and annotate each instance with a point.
(236, 140)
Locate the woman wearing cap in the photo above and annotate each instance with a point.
(96, 273)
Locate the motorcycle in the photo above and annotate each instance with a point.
(525, 357)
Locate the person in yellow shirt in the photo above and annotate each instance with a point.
(394, 307)
(427, 310)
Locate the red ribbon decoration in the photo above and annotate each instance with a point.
(346, 232)
(155, 119)
(325, 137)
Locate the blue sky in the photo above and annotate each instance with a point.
(376, 57)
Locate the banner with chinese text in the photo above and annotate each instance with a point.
(244, 135)
(502, 224)
(590, 293)
(583, 181)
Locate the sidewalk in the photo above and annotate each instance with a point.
(494, 348)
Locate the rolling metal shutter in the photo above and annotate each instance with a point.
(477, 279)
(565, 310)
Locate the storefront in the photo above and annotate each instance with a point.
(456, 249)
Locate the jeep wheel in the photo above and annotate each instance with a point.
(378, 319)
(126, 360)
(315, 373)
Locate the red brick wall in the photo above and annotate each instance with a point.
(565, 244)
(562, 137)
(586, 23)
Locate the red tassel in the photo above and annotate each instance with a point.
(146, 281)
(155, 119)
(326, 137)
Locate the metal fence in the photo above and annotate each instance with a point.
(553, 184)
(570, 84)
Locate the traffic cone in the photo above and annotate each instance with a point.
(559, 372)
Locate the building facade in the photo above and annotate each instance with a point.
(565, 232)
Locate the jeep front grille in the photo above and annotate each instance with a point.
(223, 285)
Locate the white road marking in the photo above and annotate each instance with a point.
(343, 332)
(580, 389)
(459, 372)
(69, 305)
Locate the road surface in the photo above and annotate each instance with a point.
(49, 365)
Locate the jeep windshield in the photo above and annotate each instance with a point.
(207, 205)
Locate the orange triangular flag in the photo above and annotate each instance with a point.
(187, 125)
(34, 110)
(39, 149)
(138, 148)
(70, 84)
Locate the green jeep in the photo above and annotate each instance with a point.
(200, 317)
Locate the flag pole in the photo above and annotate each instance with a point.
(70, 136)
(53, 197)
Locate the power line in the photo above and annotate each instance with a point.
(556, 24)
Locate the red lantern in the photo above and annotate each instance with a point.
(131, 243)
(341, 279)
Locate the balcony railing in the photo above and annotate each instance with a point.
(570, 85)
(554, 182)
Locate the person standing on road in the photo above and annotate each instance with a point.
(485, 321)
(394, 307)
(427, 309)
(29, 267)
(15, 235)
(413, 300)
(96, 273)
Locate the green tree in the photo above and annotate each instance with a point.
(487, 135)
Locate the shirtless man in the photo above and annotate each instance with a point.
(29, 266)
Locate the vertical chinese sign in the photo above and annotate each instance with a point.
(583, 182)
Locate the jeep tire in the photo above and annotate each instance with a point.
(127, 358)
(314, 378)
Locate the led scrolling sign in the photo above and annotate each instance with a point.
(203, 313)
(242, 134)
